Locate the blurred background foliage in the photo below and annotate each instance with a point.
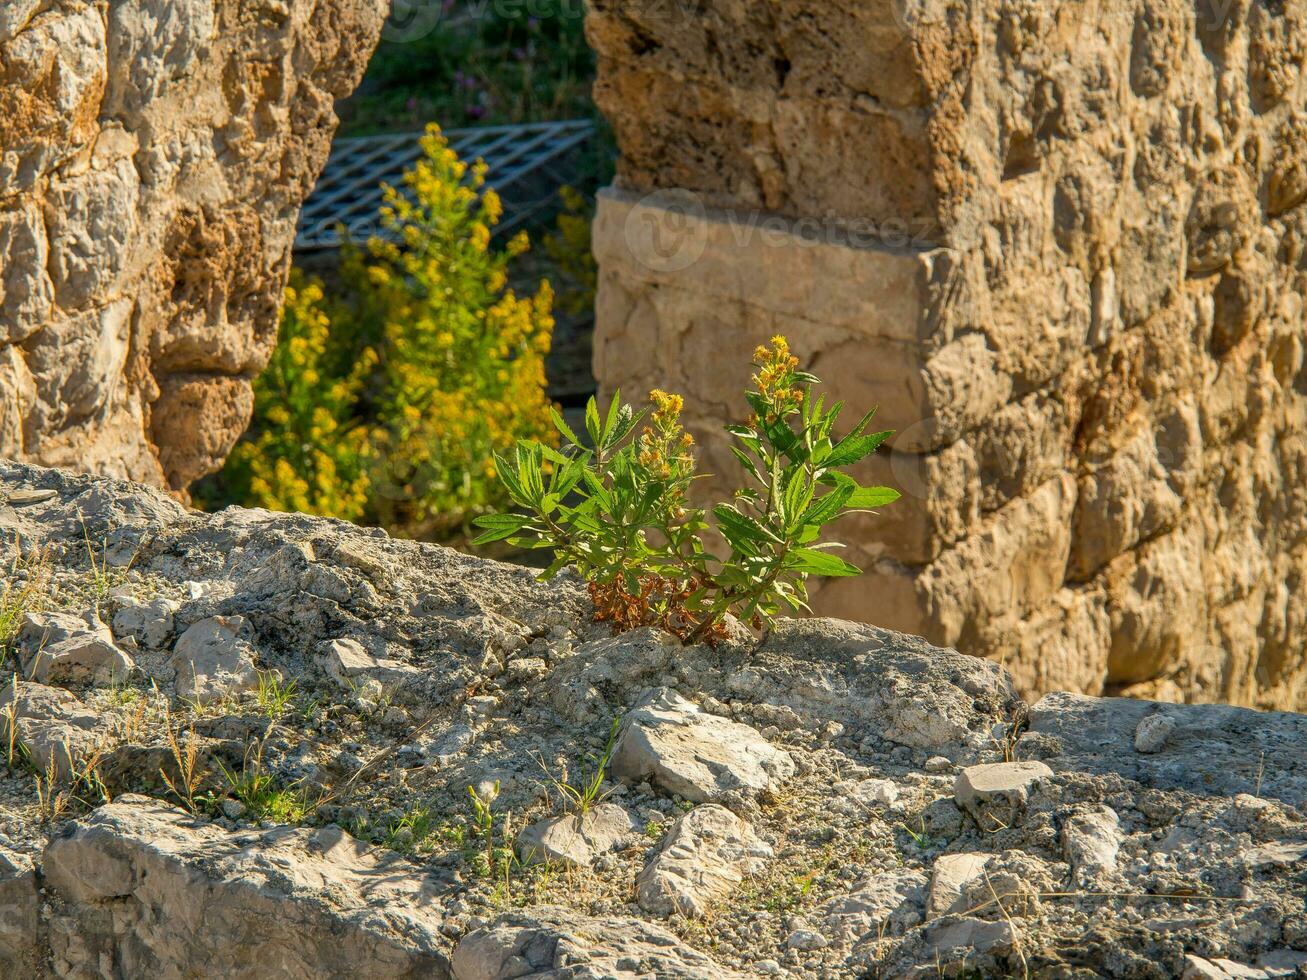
(405, 362)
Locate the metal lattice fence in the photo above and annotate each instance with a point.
(527, 165)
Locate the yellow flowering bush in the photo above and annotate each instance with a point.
(389, 403)
(570, 248)
(462, 371)
(305, 450)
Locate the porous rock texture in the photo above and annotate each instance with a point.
(153, 158)
(925, 821)
(1061, 245)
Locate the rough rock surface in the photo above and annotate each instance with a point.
(1059, 244)
(702, 858)
(136, 882)
(153, 158)
(326, 828)
(575, 839)
(702, 757)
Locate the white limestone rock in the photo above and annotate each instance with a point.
(705, 854)
(702, 757)
(575, 839)
(213, 659)
(296, 902)
(996, 793)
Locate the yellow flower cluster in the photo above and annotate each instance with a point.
(450, 360)
(664, 445)
(775, 377)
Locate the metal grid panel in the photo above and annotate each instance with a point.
(349, 191)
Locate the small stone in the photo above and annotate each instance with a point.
(696, 755)
(880, 904)
(527, 669)
(86, 659)
(232, 809)
(349, 664)
(949, 878)
(149, 624)
(213, 659)
(880, 791)
(346, 659)
(1091, 838)
(704, 855)
(1152, 733)
(996, 794)
(806, 939)
(953, 939)
(575, 840)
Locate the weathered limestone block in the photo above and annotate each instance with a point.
(20, 911)
(142, 876)
(1081, 307)
(548, 940)
(704, 856)
(153, 157)
(678, 746)
(574, 840)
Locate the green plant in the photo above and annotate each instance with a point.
(258, 789)
(186, 760)
(496, 859)
(103, 578)
(413, 828)
(619, 511)
(570, 247)
(10, 715)
(21, 594)
(274, 695)
(580, 799)
(483, 63)
(81, 785)
(462, 372)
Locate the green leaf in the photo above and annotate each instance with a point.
(867, 498)
(729, 517)
(820, 563)
(592, 421)
(749, 465)
(798, 494)
(508, 477)
(563, 429)
(828, 506)
(614, 410)
(850, 449)
(499, 527)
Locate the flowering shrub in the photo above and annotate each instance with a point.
(305, 450)
(617, 508)
(570, 248)
(462, 368)
(388, 403)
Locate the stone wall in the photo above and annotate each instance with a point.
(153, 158)
(1061, 246)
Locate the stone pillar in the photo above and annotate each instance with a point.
(1060, 245)
(153, 158)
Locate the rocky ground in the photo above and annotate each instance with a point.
(257, 745)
